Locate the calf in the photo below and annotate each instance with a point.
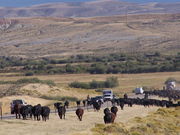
(79, 113)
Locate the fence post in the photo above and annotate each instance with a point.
(1, 109)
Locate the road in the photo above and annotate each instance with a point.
(72, 109)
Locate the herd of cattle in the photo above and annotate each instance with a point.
(171, 94)
(109, 114)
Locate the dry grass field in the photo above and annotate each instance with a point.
(71, 125)
(127, 82)
(163, 122)
(32, 92)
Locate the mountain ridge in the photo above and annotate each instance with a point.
(89, 9)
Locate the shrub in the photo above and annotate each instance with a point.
(30, 73)
(79, 85)
(109, 83)
(34, 80)
(59, 98)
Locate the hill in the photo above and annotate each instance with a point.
(59, 37)
(89, 9)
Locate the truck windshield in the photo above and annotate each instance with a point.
(107, 92)
(107, 95)
(17, 102)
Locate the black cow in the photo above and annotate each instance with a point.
(121, 105)
(84, 102)
(125, 96)
(96, 105)
(30, 110)
(114, 110)
(45, 111)
(106, 111)
(57, 105)
(78, 103)
(66, 103)
(61, 111)
(24, 110)
(36, 110)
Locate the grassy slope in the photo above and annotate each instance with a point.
(162, 122)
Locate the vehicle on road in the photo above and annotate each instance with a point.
(14, 102)
(97, 99)
(107, 95)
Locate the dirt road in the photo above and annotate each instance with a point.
(70, 125)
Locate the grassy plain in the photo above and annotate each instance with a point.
(127, 82)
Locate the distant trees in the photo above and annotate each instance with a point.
(106, 64)
(30, 73)
(110, 82)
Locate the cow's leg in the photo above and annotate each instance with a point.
(60, 116)
(16, 116)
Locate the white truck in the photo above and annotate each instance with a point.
(108, 95)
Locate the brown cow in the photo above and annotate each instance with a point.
(114, 110)
(17, 108)
(79, 113)
(109, 117)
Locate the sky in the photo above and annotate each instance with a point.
(25, 3)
